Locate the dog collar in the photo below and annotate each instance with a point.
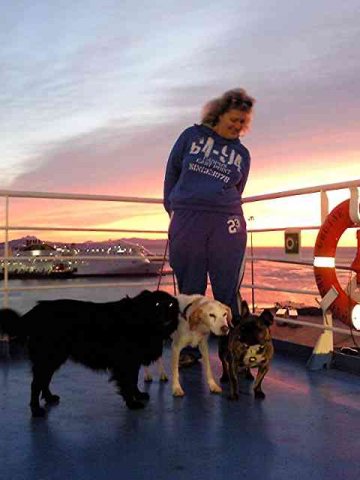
(183, 314)
(202, 301)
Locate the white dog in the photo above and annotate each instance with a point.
(199, 316)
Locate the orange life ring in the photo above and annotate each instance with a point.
(343, 307)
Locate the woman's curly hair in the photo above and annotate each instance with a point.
(236, 99)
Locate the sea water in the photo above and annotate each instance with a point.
(278, 275)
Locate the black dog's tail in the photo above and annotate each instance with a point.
(12, 324)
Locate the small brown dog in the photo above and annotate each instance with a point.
(249, 346)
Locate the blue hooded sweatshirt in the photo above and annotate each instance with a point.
(206, 172)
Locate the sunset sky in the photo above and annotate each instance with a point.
(94, 94)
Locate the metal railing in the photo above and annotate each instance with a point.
(9, 227)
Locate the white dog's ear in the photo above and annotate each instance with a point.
(229, 316)
(195, 318)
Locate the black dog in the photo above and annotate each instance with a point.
(119, 336)
(249, 345)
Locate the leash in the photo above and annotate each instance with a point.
(162, 270)
(162, 264)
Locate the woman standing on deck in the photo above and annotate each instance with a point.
(205, 176)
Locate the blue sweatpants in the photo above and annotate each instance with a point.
(202, 243)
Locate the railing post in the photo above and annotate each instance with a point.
(251, 219)
(324, 347)
(354, 206)
(6, 254)
(324, 200)
(322, 354)
(4, 339)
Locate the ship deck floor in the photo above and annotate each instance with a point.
(307, 427)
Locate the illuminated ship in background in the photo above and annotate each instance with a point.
(37, 259)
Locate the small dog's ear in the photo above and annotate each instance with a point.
(244, 310)
(229, 316)
(195, 318)
(267, 317)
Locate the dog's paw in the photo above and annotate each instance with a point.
(135, 405)
(164, 377)
(233, 396)
(188, 359)
(259, 394)
(142, 396)
(178, 391)
(224, 378)
(52, 400)
(148, 378)
(214, 387)
(38, 412)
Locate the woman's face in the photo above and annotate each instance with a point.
(232, 123)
